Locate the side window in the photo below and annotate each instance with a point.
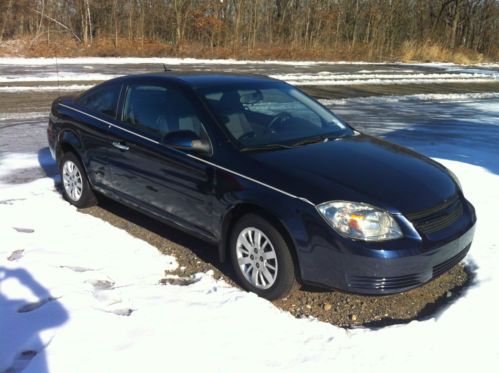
(103, 99)
(184, 113)
(157, 110)
(146, 109)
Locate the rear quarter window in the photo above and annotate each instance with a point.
(103, 99)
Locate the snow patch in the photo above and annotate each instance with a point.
(161, 60)
(53, 77)
(326, 78)
(17, 116)
(454, 97)
(45, 88)
(12, 162)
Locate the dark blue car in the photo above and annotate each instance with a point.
(285, 189)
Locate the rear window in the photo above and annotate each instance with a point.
(103, 99)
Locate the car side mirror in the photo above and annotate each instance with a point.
(187, 140)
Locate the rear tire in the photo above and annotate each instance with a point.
(261, 258)
(75, 186)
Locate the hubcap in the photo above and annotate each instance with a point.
(256, 258)
(72, 180)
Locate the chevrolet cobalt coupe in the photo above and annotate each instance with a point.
(286, 190)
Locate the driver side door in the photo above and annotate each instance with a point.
(152, 176)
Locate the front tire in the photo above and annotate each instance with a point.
(261, 258)
(75, 186)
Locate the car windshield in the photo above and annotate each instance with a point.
(272, 115)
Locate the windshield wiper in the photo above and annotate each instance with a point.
(265, 147)
(310, 140)
(317, 139)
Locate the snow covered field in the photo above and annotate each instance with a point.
(79, 295)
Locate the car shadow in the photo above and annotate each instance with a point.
(47, 163)
(438, 307)
(457, 140)
(458, 131)
(23, 322)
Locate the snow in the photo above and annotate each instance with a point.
(44, 88)
(87, 288)
(160, 60)
(62, 76)
(89, 61)
(320, 78)
(28, 115)
(386, 71)
(86, 296)
(324, 78)
(420, 97)
(14, 162)
(334, 78)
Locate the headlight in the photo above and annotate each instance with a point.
(360, 221)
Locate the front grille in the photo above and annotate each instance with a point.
(449, 263)
(387, 283)
(438, 217)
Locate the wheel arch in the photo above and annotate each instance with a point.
(68, 142)
(244, 208)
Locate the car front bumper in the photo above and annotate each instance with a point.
(391, 267)
(51, 138)
(375, 276)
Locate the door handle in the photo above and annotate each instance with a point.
(120, 146)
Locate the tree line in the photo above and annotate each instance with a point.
(367, 28)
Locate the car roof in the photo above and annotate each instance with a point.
(197, 79)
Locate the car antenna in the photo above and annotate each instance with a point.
(57, 71)
(165, 68)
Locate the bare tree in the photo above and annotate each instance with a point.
(6, 14)
(377, 29)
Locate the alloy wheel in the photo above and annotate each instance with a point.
(72, 180)
(257, 258)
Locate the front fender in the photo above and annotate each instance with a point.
(289, 213)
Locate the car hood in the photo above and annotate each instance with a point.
(358, 168)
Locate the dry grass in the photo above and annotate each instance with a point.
(102, 47)
(428, 52)
(123, 47)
